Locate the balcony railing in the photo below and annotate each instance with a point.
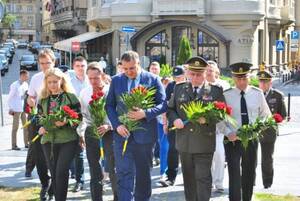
(178, 7)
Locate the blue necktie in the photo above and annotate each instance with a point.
(132, 85)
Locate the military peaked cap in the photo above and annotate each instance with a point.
(264, 75)
(240, 69)
(196, 64)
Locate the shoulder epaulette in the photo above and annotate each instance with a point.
(229, 89)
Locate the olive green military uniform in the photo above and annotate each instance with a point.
(275, 100)
(195, 142)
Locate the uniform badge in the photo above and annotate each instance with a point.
(240, 70)
(272, 100)
(197, 63)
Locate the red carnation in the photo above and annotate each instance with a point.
(74, 115)
(278, 118)
(27, 109)
(219, 105)
(228, 110)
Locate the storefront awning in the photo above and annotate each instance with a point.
(65, 45)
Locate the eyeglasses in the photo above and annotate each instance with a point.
(46, 63)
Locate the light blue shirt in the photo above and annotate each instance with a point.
(136, 80)
(78, 85)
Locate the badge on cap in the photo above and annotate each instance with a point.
(241, 70)
(197, 63)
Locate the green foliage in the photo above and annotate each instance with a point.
(185, 51)
(166, 70)
(8, 20)
(254, 131)
(270, 197)
(254, 82)
(228, 79)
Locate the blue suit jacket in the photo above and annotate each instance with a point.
(114, 107)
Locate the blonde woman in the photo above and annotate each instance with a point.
(59, 143)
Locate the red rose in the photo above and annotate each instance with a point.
(94, 97)
(219, 105)
(74, 115)
(278, 118)
(66, 108)
(91, 102)
(100, 94)
(27, 109)
(228, 110)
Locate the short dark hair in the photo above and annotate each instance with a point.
(130, 56)
(119, 63)
(79, 58)
(23, 72)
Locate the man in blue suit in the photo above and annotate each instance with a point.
(133, 169)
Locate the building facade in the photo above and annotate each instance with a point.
(227, 31)
(28, 20)
(63, 19)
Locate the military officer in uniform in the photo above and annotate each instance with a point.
(248, 103)
(275, 100)
(195, 142)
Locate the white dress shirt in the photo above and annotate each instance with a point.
(85, 98)
(16, 96)
(78, 84)
(256, 105)
(35, 85)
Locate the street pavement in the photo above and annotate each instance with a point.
(286, 157)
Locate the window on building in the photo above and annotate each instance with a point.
(9, 8)
(156, 47)
(272, 2)
(94, 3)
(19, 8)
(29, 9)
(30, 21)
(208, 47)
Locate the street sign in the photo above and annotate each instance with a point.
(279, 45)
(294, 47)
(128, 29)
(75, 47)
(295, 34)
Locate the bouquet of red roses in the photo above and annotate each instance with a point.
(138, 97)
(255, 130)
(64, 114)
(98, 115)
(32, 111)
(198, 112)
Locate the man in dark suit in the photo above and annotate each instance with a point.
(195, 142)
(133, 169)
(275, 100)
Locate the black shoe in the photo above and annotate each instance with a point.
(50, 198)
(28, 174)
(43, 193)
(26, 146)
(78, 187)
(16, 148)
(267, 186)
(166, 183)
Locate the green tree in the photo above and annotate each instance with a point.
(185, 51)
(8, 21)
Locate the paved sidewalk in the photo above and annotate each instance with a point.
(287, 164)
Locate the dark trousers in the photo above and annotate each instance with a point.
(196, 169)
(234, 154)
(77, 165)
(172, 157)
(134, 170)
(59, 164)
(36, 157)
(93, 156)
(267, 151)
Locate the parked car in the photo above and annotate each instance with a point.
(28, 62)
(13, 41)
(64, 68)
(3, 61)
(22, 45)
(7, 53)
(11, 47)
(2, 69)
(34, 47)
